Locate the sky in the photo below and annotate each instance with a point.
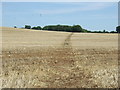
(89, 15)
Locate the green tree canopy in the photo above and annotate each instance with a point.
(27, 26)
(118, 29)
(37, 28)
(75, 28)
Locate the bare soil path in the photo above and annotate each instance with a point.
(67, 42)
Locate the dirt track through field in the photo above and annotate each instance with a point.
(67, 42)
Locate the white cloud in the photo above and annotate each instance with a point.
(60, 0)
(82, 7)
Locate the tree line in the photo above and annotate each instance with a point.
(118, 29)
(67, 28)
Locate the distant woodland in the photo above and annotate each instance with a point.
(67, 28)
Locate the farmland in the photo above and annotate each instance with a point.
(50, 59)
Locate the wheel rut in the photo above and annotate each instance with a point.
(67, 42)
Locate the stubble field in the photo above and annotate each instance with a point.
(47, 59)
